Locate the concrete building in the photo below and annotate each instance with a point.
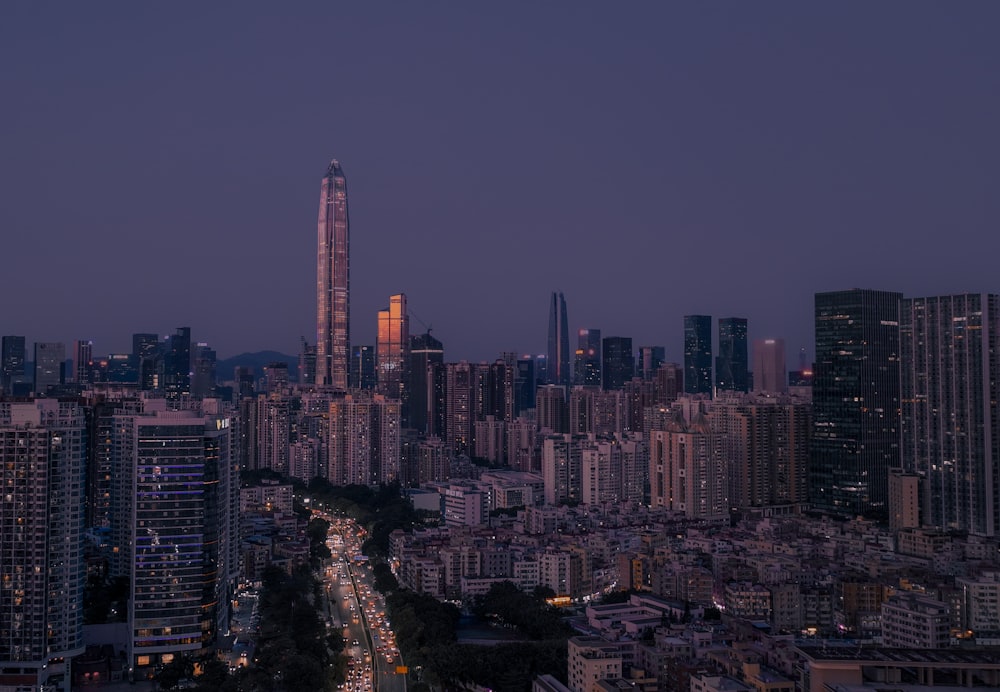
(42, 459)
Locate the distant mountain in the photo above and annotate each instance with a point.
(256, 361)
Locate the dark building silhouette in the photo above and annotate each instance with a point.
(148, 360)
(856, 404)
(362, 375)
(618, 362)
(698, 354)
(526, 384)
(650, 359)
(177, 363)
(425, 352)
(11, 362)
(558, 362)
(587, 361)
(731, 366)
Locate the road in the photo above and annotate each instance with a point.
(359, 611)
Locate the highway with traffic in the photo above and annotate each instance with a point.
(358, 610)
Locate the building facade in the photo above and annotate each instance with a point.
(950, 348)
(856, 390)
(333, 332)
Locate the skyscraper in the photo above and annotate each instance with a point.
(11, 361)
(698, 354)
(425, 353)
(618, 362)
(333, 333)
(587, 361)
(950, 350)
(731, 364)
(83, 361)
(769, 373)
(177, 363)
(650, 359)
(49, 365)
(148, 360)
(362, 374)
(855, 401)
(392, 352)
(558, 363)
(173, 525)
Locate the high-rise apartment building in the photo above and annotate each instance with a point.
(364, 440)
(698, 354)
(950, 347)
(392, 352)
(856, 433)
(50, 365)
(587, 360)
(11, 361)
(459, 403)
(333, 333)
(686, 472)
(42, 459)
(731, 365)
(769, 370)
(558, 361)
(618, 362)
(426, 353)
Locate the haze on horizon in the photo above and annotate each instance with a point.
(162, 165)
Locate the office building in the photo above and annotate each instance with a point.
(11, 362)
(558, 361)
(650, 360)
(148, 359)
(769, 372)
(174, 527)
(698, 354)
(307, 363)
(856, 429)
(42, 460)
(49, 366)
(526, 383)
(618, 362)
(950, 348)
(83, 362)
(587, 361)
(731, 365)
(392, 352)
(333, 333)
(203, 371)
(177, 363)
(425, 353)
(362, 375)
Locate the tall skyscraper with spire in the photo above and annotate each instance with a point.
(333, 333)
(558, 355)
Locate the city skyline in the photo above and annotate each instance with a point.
(728, 135)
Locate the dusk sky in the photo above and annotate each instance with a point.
(161, 164)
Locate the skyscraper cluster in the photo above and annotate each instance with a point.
(144, 448)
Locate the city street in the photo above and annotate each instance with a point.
(358, 611)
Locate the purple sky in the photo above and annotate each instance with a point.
(161, 164)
